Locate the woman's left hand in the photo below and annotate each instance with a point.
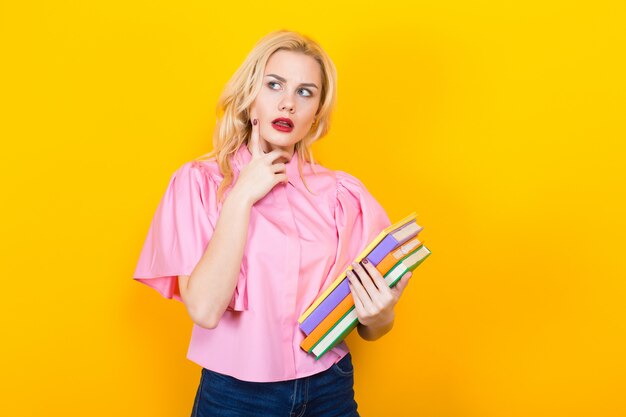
(373, 299)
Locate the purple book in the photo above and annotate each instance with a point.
(334, 298)
(342, 290)
(390, 242)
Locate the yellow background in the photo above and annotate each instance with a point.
(500, 123)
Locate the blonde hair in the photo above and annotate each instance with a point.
(233, 125)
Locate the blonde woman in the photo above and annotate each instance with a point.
(249, 235)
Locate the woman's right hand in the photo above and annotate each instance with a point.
(262, 173)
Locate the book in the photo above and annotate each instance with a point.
(343, 289)
(349, 320)
(394, 256)
(328, 322)
(392, 240)
(373, 244)
(333, 317)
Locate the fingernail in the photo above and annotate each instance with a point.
(365, 261)
(254, 122)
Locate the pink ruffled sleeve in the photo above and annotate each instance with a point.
(359, 217)
(180, 231)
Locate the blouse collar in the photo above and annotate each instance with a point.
(243, 156)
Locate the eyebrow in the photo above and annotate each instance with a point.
(279, 78)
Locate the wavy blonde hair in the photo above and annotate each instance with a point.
(233, 125)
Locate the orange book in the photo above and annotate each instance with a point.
(327, 324)
(393, 257)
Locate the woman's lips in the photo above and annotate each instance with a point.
(282, 124)
(282, 128)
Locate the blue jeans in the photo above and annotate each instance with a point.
(326, 394)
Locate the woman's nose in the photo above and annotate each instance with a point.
(287, 103)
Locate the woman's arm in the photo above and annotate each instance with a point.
(371, 333)
(209, 289)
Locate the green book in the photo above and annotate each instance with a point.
(349, 321)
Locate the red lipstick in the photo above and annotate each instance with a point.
(282, 124)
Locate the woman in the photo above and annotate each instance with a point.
(248, 236)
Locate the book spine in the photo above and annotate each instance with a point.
(390, 260)
(336, 333)
(324, 327)
(394, 275)
(324, 309)
(344, 327)
(388, 244)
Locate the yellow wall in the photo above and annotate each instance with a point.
(504, 122)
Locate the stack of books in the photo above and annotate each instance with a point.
(332, 316)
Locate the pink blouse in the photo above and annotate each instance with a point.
(297, 244)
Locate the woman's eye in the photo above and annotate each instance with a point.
(304, 92)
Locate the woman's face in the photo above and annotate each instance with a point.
(291, 90)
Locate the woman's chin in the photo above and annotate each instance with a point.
(281, 142)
